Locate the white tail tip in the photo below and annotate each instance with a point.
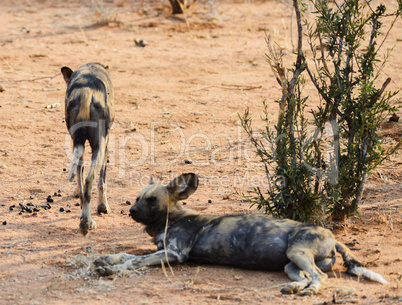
(368, 274)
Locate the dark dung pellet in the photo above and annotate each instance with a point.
(128, 202)
(61, 210)
(4, 223)
(209, 201)
(49, 199)
(77, 204)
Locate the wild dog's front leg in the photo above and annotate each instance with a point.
(115, 259)
(107, 265)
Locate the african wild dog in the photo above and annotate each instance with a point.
(89, 112)
(252, 241)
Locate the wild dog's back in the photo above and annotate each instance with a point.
(88, 88)
(244, 241)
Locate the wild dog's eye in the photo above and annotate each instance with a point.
(138, 199)
(151, 199)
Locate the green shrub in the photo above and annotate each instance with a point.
(323, 173)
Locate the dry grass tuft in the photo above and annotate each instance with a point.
(102, 14)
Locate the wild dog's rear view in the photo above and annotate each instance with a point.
(89, 112)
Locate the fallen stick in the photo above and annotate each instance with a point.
(36, 249)
(29, 79)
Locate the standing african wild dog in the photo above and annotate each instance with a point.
(89, 111)
(252, 241)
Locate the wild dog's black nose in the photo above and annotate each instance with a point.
(133, 211)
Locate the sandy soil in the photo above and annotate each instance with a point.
(177, 99)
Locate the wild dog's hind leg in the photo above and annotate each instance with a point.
(304, 259)
(80, 179)
(76, 193)
(326, 264)
(78, 153)
(103, 206)
(309, 244)
(86, 221)
(302, 279)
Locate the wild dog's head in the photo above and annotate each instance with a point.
(67, 72)
(156, 200)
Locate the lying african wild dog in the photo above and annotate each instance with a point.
(89, 112)
(252, 241)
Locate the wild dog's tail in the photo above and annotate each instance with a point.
(355, 267)
(85, 105)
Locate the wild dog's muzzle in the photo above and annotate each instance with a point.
(133, 212)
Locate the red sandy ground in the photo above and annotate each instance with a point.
(177, 99)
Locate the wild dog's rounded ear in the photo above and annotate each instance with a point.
(66, 71)
(183, 186)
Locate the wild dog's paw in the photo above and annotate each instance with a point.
(71, 173)
(76, 193)
(308, 291)
(295, 287)
(111, 260)
(87, 224)
(104, 208)
(291, 288)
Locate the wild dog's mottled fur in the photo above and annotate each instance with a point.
(255, 241)
(89, 111)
